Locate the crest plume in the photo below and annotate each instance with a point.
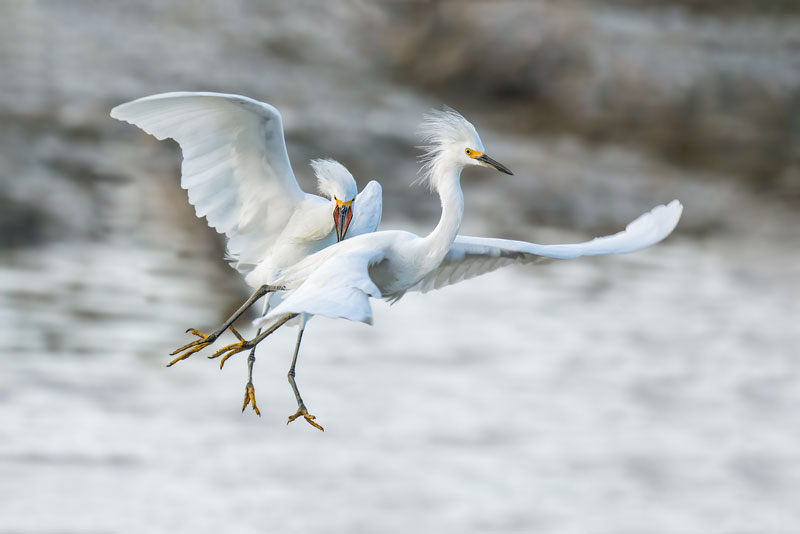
(333, 178)
(439, 130)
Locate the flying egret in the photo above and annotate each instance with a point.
(338, 281)
(238, 176)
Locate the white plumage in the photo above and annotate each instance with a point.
(237, 173)
(238, 176)
(469, 257)
(338, 281)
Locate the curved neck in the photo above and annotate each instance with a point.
(448, 186)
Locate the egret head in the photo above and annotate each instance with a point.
(336, 182)
(450, 140)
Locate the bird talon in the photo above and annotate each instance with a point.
(228, 351)
(250, 397)
(192, 347)
(307, 416)
(187, 346)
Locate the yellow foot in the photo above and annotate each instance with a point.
(250, 397)
(196, 346)
(307, 416)
(230, 350)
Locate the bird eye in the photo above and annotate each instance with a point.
(468, 151)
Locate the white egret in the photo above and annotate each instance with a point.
(238, 176)
(338, 281)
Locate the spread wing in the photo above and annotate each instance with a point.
(235, 166)
(367, 209)
(339, 286)
(469, 257)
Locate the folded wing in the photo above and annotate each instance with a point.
(367, 209)
(472, 256)
(235, 166)
(339, 286)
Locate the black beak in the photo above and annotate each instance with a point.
(341, 217)
(496, 164)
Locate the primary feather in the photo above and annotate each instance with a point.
(469, 257)
(238, 176)
(235, 166)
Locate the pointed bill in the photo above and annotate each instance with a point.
(489, 162)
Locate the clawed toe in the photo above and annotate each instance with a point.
(307, 416)
(234, 348)
(250, 398)
(195, 346)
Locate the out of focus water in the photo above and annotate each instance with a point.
(649, 393)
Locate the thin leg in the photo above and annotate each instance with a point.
(251, 360)
(301, 407)
(243, 344)
(249, 390)
(207, 339)
(292, 383)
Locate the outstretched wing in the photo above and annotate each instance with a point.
(339, 286)
(235, 166)
(469, 257)
(367, 209)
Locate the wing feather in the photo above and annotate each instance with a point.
(469, 257)
(235, 165)
(367, 209)
(338, 287)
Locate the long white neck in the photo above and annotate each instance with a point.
(447, 183)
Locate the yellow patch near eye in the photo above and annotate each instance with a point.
(473, 153)
(340, 203)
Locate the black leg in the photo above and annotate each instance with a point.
(243, 344)
(207, 339)
(249, 390)
(301, 407)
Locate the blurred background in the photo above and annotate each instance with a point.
(651, 393)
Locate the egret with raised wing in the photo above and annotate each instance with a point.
(238, 176)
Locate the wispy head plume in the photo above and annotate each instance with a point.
(440, 130)
(333, 179)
